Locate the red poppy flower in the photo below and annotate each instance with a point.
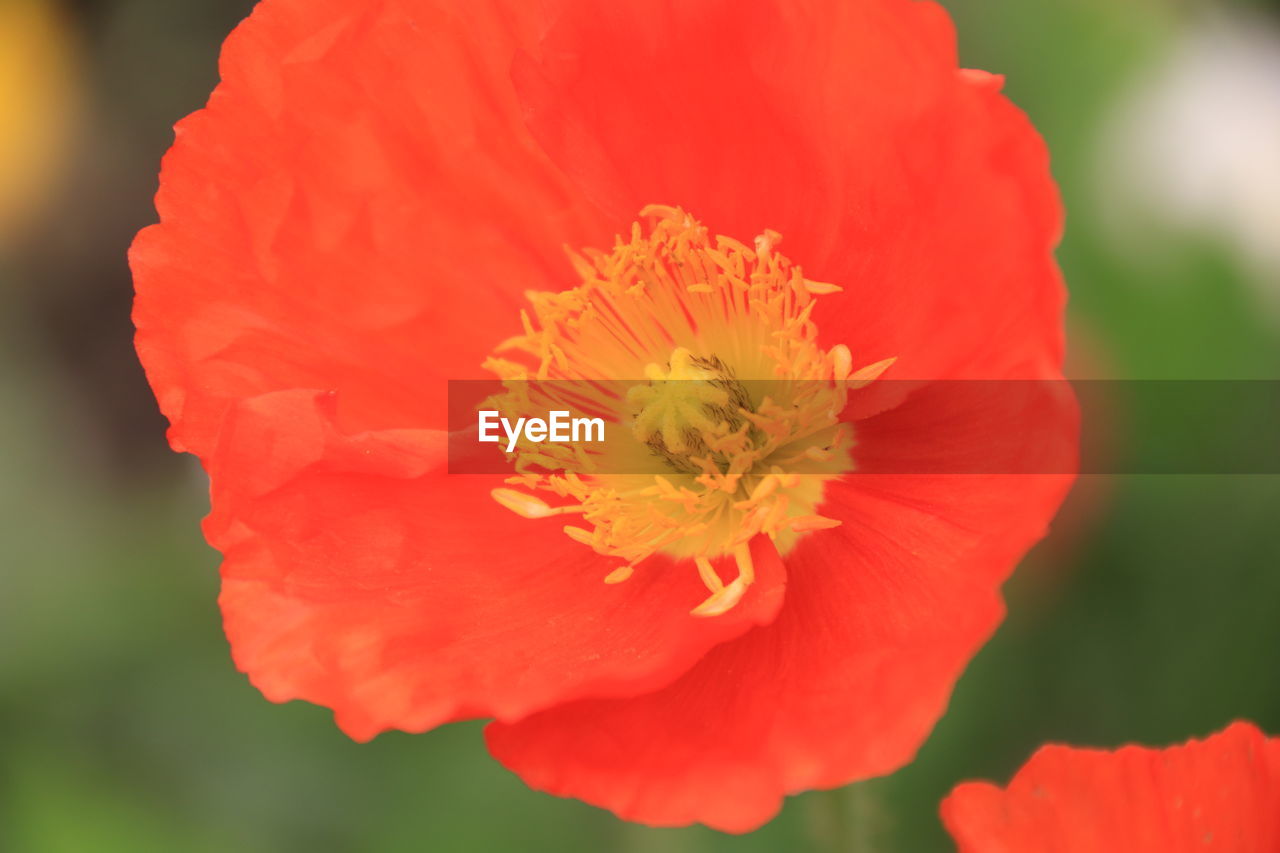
(1221, 793)
(359, 214)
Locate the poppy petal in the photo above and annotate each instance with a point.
(882, 614)
(847, 127)
(1218, 794)
(355, 579)
(321, 229)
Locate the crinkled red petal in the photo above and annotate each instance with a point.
(1217, 795)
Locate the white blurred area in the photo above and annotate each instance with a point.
(1194, 143)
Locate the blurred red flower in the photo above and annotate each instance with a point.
(358, 215)
(1221, 793)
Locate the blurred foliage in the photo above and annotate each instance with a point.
(1148, 615)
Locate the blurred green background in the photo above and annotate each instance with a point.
(1152, 613)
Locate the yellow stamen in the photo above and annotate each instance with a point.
(722, 600)
(870, 373)
(728, 398)
(708, 574)
(813, 522)
(577, 534)
(619, 575)
(821, 287)
(529, 506)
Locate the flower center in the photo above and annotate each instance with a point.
(685, 411)
(722, 412)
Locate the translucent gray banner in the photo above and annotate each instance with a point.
(886, 427)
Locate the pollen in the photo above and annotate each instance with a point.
(722, 411)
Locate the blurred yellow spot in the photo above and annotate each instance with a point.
(37, 105)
